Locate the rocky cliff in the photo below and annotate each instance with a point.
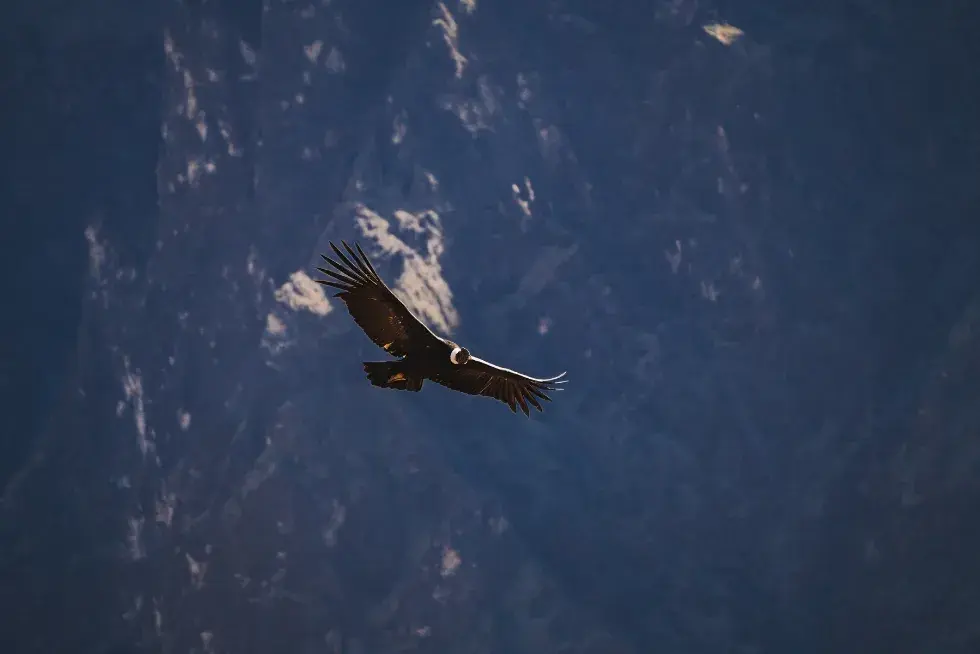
(751, 251)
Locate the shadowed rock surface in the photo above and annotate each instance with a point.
(757, 261)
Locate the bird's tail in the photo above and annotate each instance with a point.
(392, 374)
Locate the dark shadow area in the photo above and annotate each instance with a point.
(80, 148)
(80, 144)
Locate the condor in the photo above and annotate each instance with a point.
(421, 354)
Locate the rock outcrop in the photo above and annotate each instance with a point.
(765, 301)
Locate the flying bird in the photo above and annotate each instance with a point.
(421, 354)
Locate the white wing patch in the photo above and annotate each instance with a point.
(514, 372)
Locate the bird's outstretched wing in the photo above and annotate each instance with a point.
(479, 377)
(374, 307)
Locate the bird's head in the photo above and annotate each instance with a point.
(459, 355)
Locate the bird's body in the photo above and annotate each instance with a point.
(410, 372)
(422, 354)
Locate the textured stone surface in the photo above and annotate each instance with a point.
(757, 261)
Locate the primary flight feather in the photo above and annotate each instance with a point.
(421, 353)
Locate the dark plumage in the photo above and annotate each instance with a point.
(422, 354)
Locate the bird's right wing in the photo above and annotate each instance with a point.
(479, 377)
(373, 305)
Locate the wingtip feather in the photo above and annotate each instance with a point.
(367, 261)
(364, 264)
(349, 268)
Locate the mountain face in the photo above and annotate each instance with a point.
(753, 253)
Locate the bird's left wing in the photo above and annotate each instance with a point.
(479, 377)
(374, 307)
